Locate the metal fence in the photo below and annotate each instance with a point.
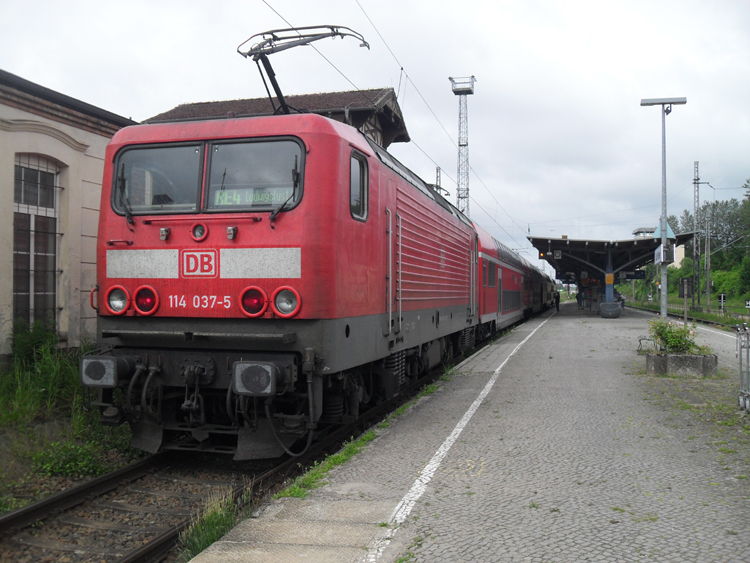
(743, 354)
(730, 315)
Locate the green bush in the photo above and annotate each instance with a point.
(673, 337)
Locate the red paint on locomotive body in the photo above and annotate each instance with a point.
(337, 264)
(204, 278)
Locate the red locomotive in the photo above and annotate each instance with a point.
(262, 278)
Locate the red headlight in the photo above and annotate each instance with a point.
(146, 300)
(254, 301)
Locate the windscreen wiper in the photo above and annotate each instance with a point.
(295, 181)
(124, 198)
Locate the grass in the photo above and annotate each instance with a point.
(313, 479)
(45, 429)
(43, 381)
(219, 515)
(708, 407)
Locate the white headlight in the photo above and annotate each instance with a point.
(286, 302)
(118, 300)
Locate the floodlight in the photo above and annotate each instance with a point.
(663, 101)
(666, 109)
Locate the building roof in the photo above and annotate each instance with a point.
(354, 107)
(570, 257)
(24, 94)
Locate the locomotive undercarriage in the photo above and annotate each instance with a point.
(250, 404)
(189, 400)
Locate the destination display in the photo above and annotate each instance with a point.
(251, 196)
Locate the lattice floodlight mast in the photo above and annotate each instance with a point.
(696, 238)
(463, 87)
(277, 40)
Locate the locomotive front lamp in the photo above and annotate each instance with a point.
(666, 109)
(231, 232)
(256, 379)
(199, 231)
(146, 300)
(286, 301)
(164, 233)
(253, 301)
(105, 371)
(118, 300)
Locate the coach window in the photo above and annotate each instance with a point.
(358, 191)
(484, 273)
(492, 275)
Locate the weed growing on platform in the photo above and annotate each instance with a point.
(219, 515)
(313, 479)
(426, 390)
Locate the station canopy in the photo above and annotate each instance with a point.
(575, 259)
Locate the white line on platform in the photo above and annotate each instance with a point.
(699, 327)
(717, 332)
(405, 506)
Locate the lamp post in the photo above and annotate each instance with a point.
(666, 109)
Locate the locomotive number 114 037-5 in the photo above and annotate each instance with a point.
(200, 301)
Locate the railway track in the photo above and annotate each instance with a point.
(136, 514)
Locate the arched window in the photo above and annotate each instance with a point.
(35, 211)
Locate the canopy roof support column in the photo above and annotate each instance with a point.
(609, 279)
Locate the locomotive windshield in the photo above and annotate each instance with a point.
(157, 180)
(253, 175)
(249, 175)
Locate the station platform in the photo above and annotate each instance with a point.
(541, 448)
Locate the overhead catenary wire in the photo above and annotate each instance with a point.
(426, 103)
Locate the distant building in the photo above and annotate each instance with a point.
(644, 231)
(51, 163)
(679, 251)
(374, 112)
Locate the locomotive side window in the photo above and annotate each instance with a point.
(358, 191)
(254, 175)
(157, 180)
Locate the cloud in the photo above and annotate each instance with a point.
(558, 142)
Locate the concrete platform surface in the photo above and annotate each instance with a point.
(546, 452)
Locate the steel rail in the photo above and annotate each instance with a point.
(160, 546)
(69, 498)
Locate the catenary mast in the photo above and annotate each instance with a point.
(463, 87)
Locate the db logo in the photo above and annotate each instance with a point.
(198, 263)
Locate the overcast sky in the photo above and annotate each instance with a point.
(558, 142)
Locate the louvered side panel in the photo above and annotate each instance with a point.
(435, 256)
